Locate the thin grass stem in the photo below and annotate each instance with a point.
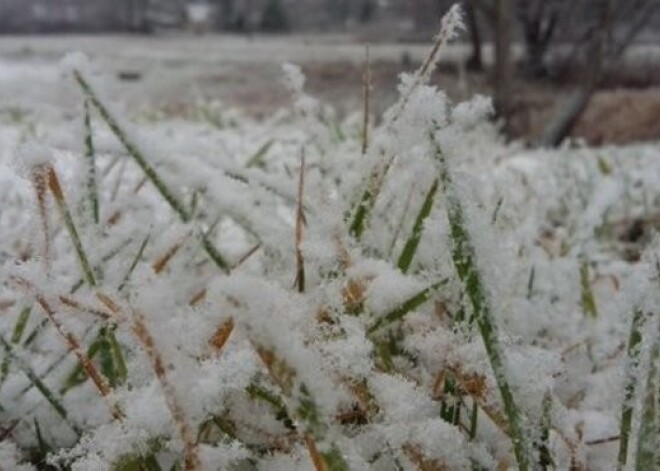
(632, 353)
(58, 195)
(90, 157)
(409, 250)
(468, 272)
(132, 149)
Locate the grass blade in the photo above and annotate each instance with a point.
(90, 157)
(633, 351)
(648, 454)
(410, 248)
(58, 195)
(134, 263)
(49, 395)
(132, 149)
(214, 254)
(366, 100)
(468, 272)
(257, 159)
(588, 299)
(300, 222)
(410, 304)
(16, 336)
(360, 217)
(138, 156)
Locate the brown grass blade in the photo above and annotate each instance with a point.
(74, 345)
(221, 336)
(317, 459)
(191, 460)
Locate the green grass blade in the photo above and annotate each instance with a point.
(77, 375)
(19, 328)
(139, 463)
(88, 273)
(215, 254)
(474, 421)
(132, 149)
(588, 299)
(90, 157)
(134, 263)
(530, 282)
(410, 304)
(49, 395)
(113, 366)
(648, 454)
(410, 248)
(258, 393)
(468, 272)
(44, 448)
(120, 370)
(630, 385)
(138, 156)
(361, 214)
(257, 159)
(545, 460)
(16, 336)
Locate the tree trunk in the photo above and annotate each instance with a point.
(560, 127)
(475, 62)
(503, 60)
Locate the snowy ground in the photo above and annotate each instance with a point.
(563, 240)
(173, 70)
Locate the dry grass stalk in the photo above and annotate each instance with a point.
(161, 262)
(55, 188)
(476, 387)
(140, 185)
(78, 306)
(451, 22)
(190, 456)
(423, 463)
(6, 304)
(317, 459)
(108, 302)
(114, 218)
(343, 255)
(197, 298)
(74, 345)
(244, 258)
(221, 335)
(278, 369)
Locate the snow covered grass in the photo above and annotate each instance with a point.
(221, 293)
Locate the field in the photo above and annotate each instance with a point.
(210, 263)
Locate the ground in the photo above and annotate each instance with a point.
(171, 72)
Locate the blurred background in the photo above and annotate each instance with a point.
(587, 69)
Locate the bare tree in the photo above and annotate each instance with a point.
(540, 21)
(611, 26)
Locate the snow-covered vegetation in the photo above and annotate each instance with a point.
(215, 292)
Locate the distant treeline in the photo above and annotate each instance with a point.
(35, 16)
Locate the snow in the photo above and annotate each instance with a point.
(535, 217)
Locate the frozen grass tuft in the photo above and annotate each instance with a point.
(309, 293)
